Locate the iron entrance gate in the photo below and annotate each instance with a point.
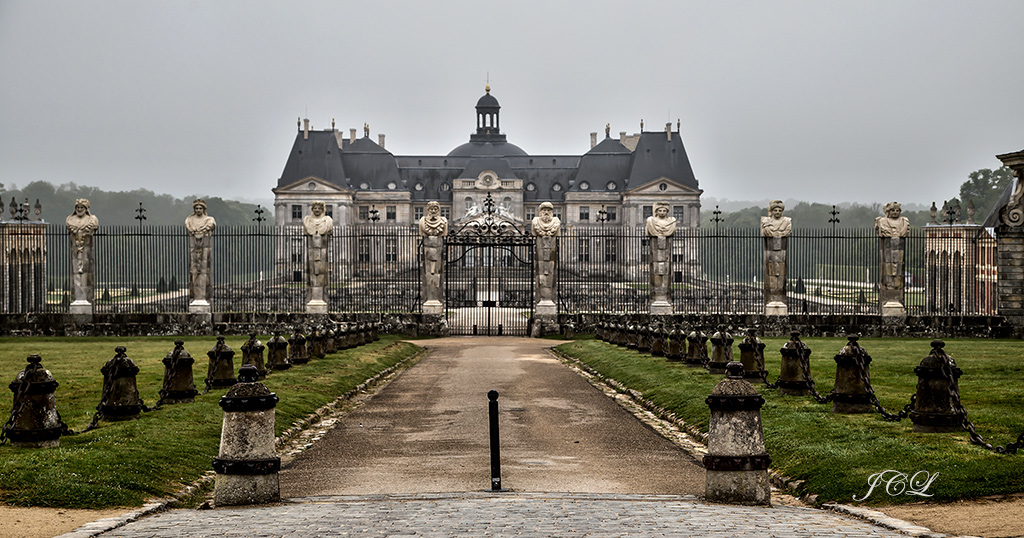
(489, 277)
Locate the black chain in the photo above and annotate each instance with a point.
(954, 395)
(805, 365)
(865, 378)
(759, 360)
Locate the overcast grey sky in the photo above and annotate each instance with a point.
(825, 101)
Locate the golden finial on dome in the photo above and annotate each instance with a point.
(487, 88)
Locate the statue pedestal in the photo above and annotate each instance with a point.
(661, 308)
(547, 308)
(433, 306)
(776, 308)
(316, 307)
(80, 307)
(892, 309)
(199, 306)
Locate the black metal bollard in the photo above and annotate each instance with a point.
(297, 349)
(221, 371)
(850, 394)
(277, 354)
(495, 444)
(120, 399)
(938, 379)
(795, 367)
(252, 353)
(752, 356)
(179, 386)
(34, 421)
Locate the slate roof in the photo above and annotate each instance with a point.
(545, 177)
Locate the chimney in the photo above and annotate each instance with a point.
(380, 140)
(622, 136)
(351, 136)
(593, 139)
(668, 131)
(305, 129)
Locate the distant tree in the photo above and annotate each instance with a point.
(862, 299)
(800, 287)
(173, 286)
(106, 294)
(135, 291)
(984, 187)
(161, 287)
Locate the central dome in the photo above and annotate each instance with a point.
(488, 141)
(487, 149)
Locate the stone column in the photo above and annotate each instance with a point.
(660, 228)
(892, 230)
(1010, 244)
(775, 229)
(82, 226)
(433, 230)
(200, 228)
(546, 228)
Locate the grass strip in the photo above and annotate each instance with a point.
(126, 463)
(836, 454)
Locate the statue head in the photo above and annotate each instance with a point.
(547, 211)
(433, 209)
(81, 207)
(199, 206)
(661, 210)
(893, 210)
(775, 208)
(318, 208)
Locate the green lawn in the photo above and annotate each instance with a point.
(835, 454)
(125, 463)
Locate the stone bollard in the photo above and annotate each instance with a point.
(34, 421)
(360, 334)
(643, 338)
(752, 356)
(621, 334)
(252, 353)
(178, 387)
(938, 378)
(297, 349)
(658, 340)
(353, 335)
(795, 362)
(375, 331)
(736, 462)
(120, 400)
(676, 345)
(721, 351)
(247, 463)
(850, 394)
(221, 370)
(697, 354)
(277, 353)
(330, 341)
(632, 335)
(315, 344)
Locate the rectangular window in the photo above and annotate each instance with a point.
(329, 210)
(530, 212)
(611, 213)
(645, 250)
(583, 253)
(363, 249)
(558, 214)
(296, 212)
(417, 213)
(610, 246)
(390, 212)
(364, 213)
(391, 249)
(678, 212)
(648, 212)
(446, 212)
(584, 212)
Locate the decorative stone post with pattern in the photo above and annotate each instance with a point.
(546, 228)
(736, 462)
(247, 464)
(433, 229)
(660, 228)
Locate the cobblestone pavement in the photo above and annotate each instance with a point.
(500, 514)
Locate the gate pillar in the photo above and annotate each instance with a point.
(433, 229)
(546, 227)
(1010, 244)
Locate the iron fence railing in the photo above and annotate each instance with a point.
(949, 269)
